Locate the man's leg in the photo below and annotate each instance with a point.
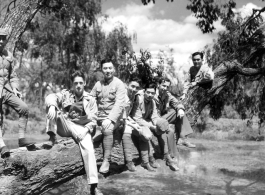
(127, 147)
(161, 132)
(107, 147)
(22, 109)
(4, 151)
(69, 129)
(183, 129)
(172, 145)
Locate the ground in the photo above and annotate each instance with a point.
(213, 168)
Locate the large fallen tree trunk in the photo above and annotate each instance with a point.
(35, 172)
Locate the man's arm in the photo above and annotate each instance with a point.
(174, 103)
(93, 92)
(92, 109)
(55, 99)
(136, 113)
(118, 107)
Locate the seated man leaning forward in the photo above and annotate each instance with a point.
(143, 134)
(110, 96)
(172, 110)
(144, 112)
(75, 114)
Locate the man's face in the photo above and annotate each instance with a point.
(197, 61)
(78, 85)
(2, 41)
(108, 70)
(133, 87)
(149, 93)
(163, 87)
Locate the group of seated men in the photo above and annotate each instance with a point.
(113, 106)
(110, 105)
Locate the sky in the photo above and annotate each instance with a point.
(165, 24)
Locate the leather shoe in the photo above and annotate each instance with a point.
(53, 138)
(131, 166)
(104, 167)
(96, 191)
(153, 163)
(23, 142)
(171, 163)
(148, 167)
(5, 152)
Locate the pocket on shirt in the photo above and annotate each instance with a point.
(112, 94)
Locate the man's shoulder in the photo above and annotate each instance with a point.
(118, 81)
(87, 96)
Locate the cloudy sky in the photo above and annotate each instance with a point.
(164, 24)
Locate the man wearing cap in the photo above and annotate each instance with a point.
(110, 96)
(10, 95)
(144, 112)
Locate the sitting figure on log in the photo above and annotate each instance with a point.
(169, 108)
(143, 133)
(10, 95)
(75, 113)
(144, 112)
(110, 96)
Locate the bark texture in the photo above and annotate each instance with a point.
(35, 172)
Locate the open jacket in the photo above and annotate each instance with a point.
(164, 102)
(144, 113)
(8, 77)
(65, 98)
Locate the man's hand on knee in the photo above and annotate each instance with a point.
(181, 113)
(107, 124)
(51, 113)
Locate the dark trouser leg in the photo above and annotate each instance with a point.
(22, 109)
(144, 148)
(182, 126)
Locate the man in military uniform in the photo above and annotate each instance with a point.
(75, 113)
(10, 95)
(110, 95)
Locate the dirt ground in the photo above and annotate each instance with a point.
(213, 168)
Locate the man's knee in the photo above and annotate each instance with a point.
(107, 131)
(162, 126)
(128, 130)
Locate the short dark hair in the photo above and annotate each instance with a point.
(77, 73)
(134, 79)
(150, 85)
(197, 53)
(104, 61)
(160, 80)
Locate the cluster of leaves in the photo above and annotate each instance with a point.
(243, 41)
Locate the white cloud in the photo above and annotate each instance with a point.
(246, 10)
(155, 34)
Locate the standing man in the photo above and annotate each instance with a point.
(75, 114)
(10, 95)
(171, 110)
(110, 95)
(144, 112)
(143, 134)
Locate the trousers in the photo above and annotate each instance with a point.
(66, 128)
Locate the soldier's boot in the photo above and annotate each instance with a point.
(107, 146)
(94, 190)
(148, 167)
(53, 138)
(127, 148)
(153, 163)
(170, 162)
(22, 141)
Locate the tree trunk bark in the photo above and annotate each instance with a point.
(36, 172)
